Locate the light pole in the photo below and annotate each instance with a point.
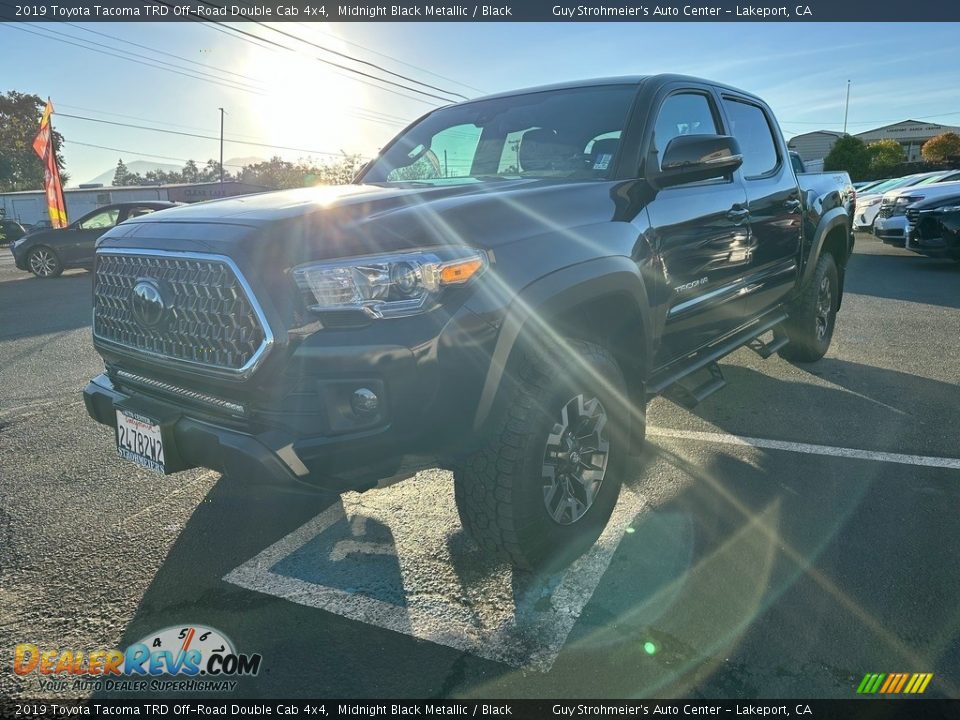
(222, 113)
(846, 111)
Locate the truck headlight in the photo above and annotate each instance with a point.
(949, 208)
(384, 286)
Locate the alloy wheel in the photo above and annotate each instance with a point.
(575, 459)
(43, 262)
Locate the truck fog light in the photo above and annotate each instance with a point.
(364, 401)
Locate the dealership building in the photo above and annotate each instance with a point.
(29, 206)
(911, 134)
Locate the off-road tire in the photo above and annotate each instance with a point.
(500, 490)
(44, 262)
(814, 315)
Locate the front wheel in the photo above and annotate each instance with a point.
(542, 489)
(812, 320)
(43, 262)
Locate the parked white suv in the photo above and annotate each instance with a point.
(891, 221)
(868, 205)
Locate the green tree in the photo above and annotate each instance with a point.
(283, 174)
(885, 155)
(191, 173)
(122, 175)
(850, 154)
(20, 168)
(942, 148)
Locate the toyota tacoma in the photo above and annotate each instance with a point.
(498, 293)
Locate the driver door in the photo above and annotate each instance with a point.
(84, 234)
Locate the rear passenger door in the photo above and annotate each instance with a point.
(701, 231)
(773, 198)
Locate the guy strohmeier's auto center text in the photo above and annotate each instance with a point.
(368, 11)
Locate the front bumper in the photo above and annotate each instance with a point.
(864, 217)
(294, 418)
(892, 230)
(19, 256)
(934, 236)
(196, 443)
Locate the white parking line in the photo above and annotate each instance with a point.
(809, 449)
(396, 558)
(416, 576)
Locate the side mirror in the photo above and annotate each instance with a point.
(691, 158)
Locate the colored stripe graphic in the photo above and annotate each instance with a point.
(894, 683)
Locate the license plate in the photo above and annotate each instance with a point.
(139, 440)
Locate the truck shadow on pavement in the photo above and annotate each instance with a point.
(727, 572)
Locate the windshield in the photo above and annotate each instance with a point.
(568, 134)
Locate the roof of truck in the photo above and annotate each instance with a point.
(616, 80)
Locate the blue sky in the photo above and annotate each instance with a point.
(897, 71)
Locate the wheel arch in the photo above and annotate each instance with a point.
(833, 236)
(602, 301)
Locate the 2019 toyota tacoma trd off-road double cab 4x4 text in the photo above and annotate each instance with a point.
(498, 293)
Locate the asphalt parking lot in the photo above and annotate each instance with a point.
(790, 534)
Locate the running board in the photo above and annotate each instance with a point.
(766, 349)
(710, 355)
(687, 395)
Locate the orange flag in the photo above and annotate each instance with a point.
(43, 146)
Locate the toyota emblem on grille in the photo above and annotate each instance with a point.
(148, 304)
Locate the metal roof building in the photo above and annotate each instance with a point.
(814, 145)
(29, 206)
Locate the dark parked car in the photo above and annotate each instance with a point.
(498, 294)
(47, 253)
(10, 231)
(934, 227)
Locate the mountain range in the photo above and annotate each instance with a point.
(144, 166)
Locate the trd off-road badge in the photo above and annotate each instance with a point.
(196, 657)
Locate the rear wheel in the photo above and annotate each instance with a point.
(811, 323)
(44, 262)
(542, 489)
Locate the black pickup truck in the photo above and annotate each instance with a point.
(499, 293)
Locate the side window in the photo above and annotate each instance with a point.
(138, 212)
(510, 155)
(749, 125)
(102, 220)
(687, 113)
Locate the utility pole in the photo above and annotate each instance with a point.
(846, 111)
(222, 113)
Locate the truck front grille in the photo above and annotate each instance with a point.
(885, 211)
(185, 307)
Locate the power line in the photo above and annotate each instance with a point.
(355, 59)
(872, 122)
(370, 115)
(203, 137)
(213, 23)
(54, 37)
(399, 61)
(360, 113)
(141, 154)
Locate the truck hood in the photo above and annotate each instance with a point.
(341, 221)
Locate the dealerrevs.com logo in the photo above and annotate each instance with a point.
(178, 658)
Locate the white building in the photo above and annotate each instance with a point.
(911, 134)
(29, 206)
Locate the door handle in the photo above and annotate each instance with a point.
(793, 205)
(737, 214)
